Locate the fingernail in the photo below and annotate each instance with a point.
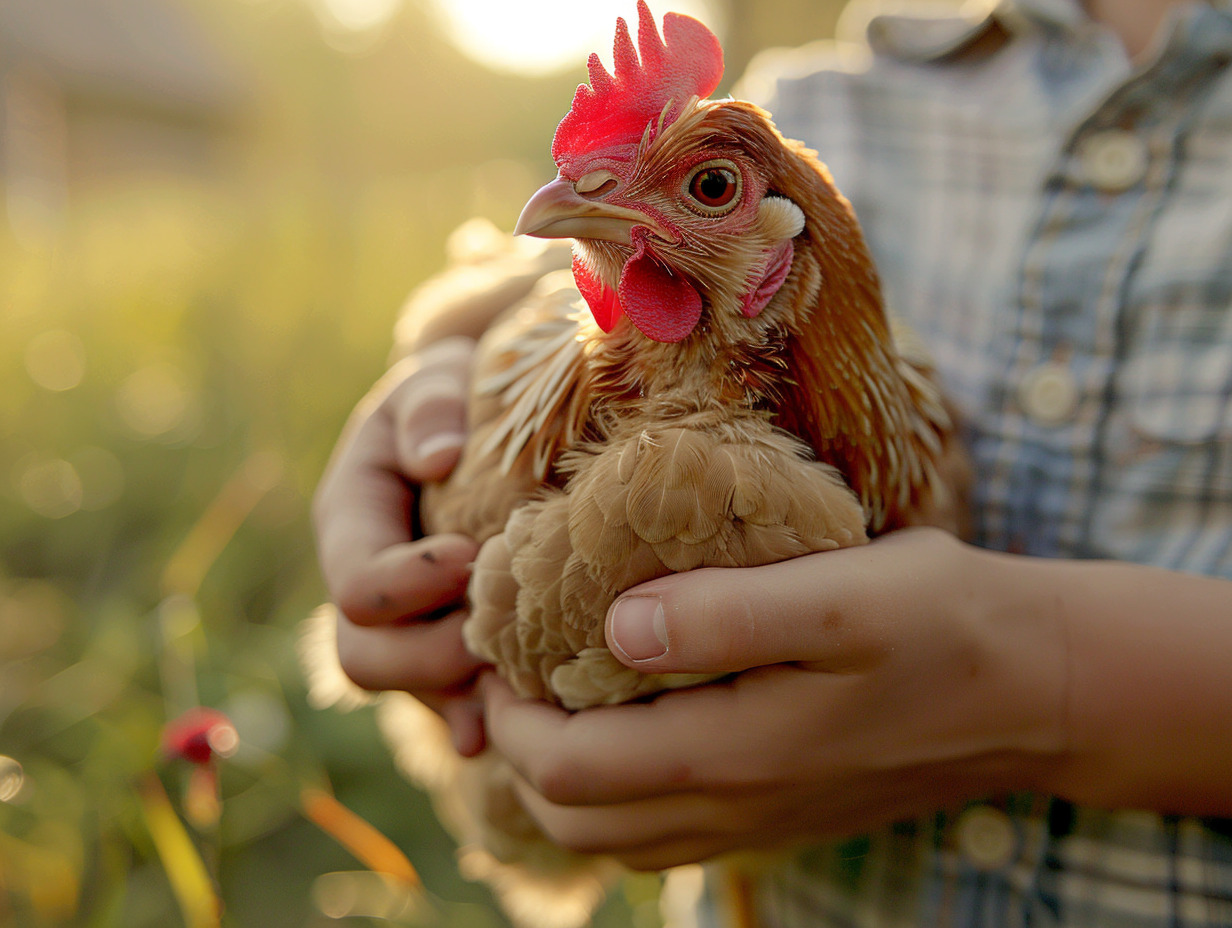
(439, 443)
(638, 627)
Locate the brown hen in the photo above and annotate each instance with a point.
(733, 397)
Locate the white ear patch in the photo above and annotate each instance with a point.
(780, 218)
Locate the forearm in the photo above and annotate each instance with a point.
(1149, 703)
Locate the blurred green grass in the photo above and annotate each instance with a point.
(178, 352)
(212, 354)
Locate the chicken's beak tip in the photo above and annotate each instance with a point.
(544, 207)
(557, 210)
(520, 228)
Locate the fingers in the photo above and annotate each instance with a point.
(362, 504)
(727, 620)
(625, 781)
(428, 660)
(652, 829)
(652, 834)
(409, 428)
(418, 658)
(428, 408)
(617, 754)
(676, 852)
(405, 581)
(464, 716)
(834, 611)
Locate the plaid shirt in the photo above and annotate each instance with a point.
(1057, 224)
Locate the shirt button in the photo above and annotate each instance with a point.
(1048, 394)
(1113, 160)
(986, 837)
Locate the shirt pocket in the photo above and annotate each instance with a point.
(1177, 387)
(1178, 353)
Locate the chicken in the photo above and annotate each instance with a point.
(715, 384)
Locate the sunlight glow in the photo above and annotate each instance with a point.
(359, 15)
(536, 37)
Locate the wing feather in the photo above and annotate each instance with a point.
(669, 496)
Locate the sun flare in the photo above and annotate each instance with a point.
(536, 37)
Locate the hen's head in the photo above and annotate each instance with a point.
(697, 223)
(681, 206)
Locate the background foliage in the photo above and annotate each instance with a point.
(178, 351)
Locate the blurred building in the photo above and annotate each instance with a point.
(94, 89)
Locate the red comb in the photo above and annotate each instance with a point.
(612, 109)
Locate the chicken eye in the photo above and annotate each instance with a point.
(714, 186)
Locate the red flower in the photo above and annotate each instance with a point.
(199, 735)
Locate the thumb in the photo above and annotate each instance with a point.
(722, 620)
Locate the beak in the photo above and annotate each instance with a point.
(557, 210)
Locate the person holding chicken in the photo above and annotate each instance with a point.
(1046, 190)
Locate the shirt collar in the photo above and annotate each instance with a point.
(913, 37)
(1068, 14)
(898, 31)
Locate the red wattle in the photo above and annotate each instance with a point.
(663, 306)
(603, 303)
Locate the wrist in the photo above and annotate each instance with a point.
(1025, 668)
(1148, 725)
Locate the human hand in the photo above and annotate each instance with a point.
(878, 683)
(400, 597)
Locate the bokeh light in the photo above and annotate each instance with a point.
(355, 26)
(156, 400)
(12, 778)
(50, 486)
(361, 894)
(56, 360)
